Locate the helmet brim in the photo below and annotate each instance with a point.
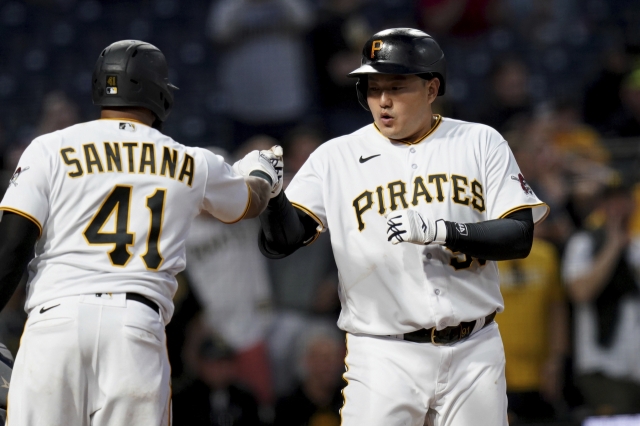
(382, 68)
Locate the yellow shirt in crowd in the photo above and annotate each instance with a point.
(529, 286)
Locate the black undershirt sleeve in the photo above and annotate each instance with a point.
(18, 237)
(499, 239)
(284, 228)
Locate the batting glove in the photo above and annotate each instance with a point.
(267, 164)
(409, 226)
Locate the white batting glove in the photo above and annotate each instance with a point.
(409, 226)
(275, 155)
(266, 163)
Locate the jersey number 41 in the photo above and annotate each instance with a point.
(118, 203)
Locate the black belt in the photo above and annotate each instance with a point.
(140, 298)
(447, 335)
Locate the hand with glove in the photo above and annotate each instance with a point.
(266, 164)
(409, 226)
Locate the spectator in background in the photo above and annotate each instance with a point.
(317, 399)
(602, 98)
(573, 138)
(600, 268)
(215, 398)
(510, 97)
(459, 18)
(263, 66)
(543, 168)
(535, 350)
(626, 123)
(336, 40)
(230, 280)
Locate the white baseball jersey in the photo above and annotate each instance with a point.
(114, 200)
(461, 172)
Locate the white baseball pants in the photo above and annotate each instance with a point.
(91, 360)
(399, 383)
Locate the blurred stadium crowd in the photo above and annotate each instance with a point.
(254, 341)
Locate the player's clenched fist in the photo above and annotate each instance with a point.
(267, 164)
(411, 227)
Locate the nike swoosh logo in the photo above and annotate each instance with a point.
(364, 160)
(43, 310)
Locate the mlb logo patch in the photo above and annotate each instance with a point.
(112, 85)
(128, 127)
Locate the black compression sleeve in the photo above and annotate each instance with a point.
(284, 228)
(18, 237)
(499, 239)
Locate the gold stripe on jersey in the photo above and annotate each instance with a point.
(246, 208)
(433, 128)
(25, 215)
(527, 206)
(310, 213)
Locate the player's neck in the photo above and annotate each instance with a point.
(142, 115)
(424, 130)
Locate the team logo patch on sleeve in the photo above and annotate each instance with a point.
(17, 174)
(523, 183)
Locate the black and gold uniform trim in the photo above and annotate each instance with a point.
(433, 128)
(25, 215)
(309, 212)
(246, 209)
(527, 206)
(314, 217)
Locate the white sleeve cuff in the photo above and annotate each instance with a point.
(441, 232)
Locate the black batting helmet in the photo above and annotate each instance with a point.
(400, 51)
(133, 73)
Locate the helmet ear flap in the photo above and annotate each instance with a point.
(361, 88)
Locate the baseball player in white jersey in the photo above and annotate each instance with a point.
(108, 205)
(419, 207)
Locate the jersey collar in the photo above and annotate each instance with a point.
(433, 128)
(124, 119)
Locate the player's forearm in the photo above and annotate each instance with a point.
(282, 230)
(260, 193)
(17, 239)
(499, 239)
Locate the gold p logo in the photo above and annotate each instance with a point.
(376, 45)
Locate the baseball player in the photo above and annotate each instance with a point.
(419, 208)
(107, 205)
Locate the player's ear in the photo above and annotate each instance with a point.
(433, 86)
